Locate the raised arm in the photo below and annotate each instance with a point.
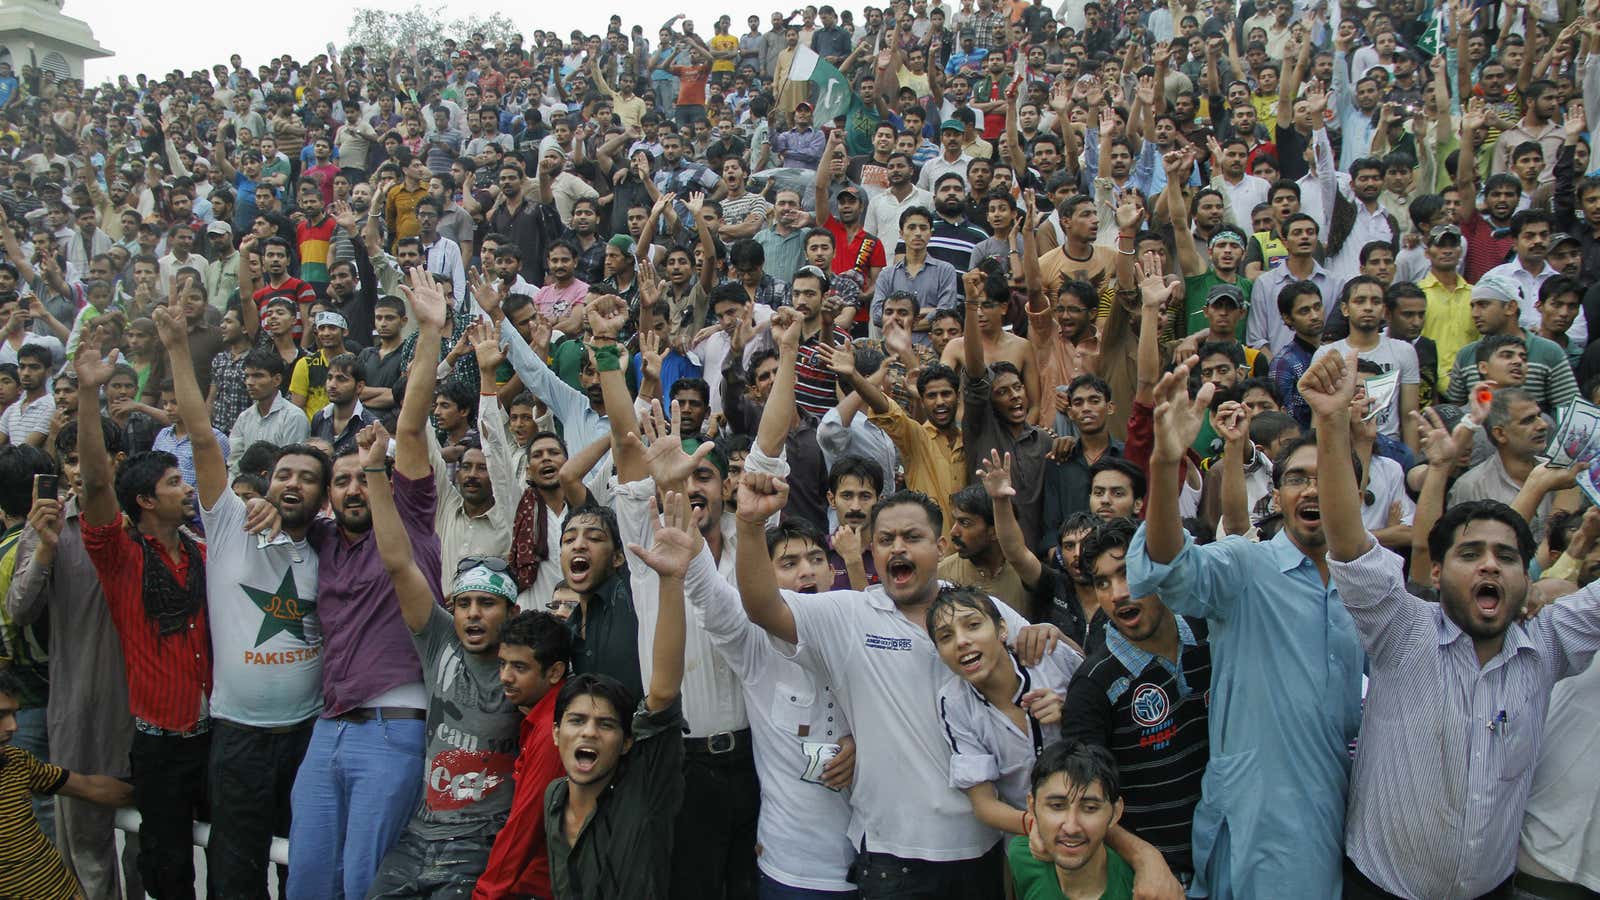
(778, 417)
(1328, 387)
(411, 587)
(574, 470)
(98, 503)
(761, 497)
(1178, 164)
(429, 305)
(1290, 88)
(210, 468)
(996, 475)
(677, 541)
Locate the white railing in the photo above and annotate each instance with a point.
(128, 820)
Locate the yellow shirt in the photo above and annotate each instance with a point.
(1449, 321)
(721, 43)
(309, 380)
(934, 465)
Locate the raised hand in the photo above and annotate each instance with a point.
(847, 542)
(1060, 97)
(663, 447)
(485, 341)
(676, 541)
(1316, 101)
(487, 291)
(608, 315)
(1577, 122)
(761, 497)
(1153, 287)
(1329, 385)
(996, 475)
(1129, 213)
(842, 361)
(897, 337)
(1230, 421)
(428, 302)
(650, 354)
(343, 215)
(93, 372)
(1177, 164)
(786, 325)
(373, 444)
(1178, 417)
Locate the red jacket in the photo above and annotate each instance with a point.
(519, 864)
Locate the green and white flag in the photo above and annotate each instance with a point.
(834, 97)
(1429, 42)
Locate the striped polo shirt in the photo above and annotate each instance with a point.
(1152, 716)
(1549, 375)
(33, 868)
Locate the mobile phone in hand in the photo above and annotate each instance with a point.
(44, 487)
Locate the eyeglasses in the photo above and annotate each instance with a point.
(492, 563)
(559, 605)
(1297, 480)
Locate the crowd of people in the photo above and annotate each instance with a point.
(617, 466)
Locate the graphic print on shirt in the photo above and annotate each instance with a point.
(283, 610)
(467, 765)
(1152, 712)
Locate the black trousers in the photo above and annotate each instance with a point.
(252, 773)
(169, 790)
(1358, 886)
(883, 876)
(714, 846)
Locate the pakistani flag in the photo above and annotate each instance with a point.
(1429, 42)
(835, 99)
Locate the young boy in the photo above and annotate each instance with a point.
(33, 867)
(1074, 803)
(175, 437)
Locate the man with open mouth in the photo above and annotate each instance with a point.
(1461, 680)
(1286, 671)
(913, 831)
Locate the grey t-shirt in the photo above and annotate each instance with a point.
(472, 737)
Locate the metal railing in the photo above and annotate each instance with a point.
(129, 821)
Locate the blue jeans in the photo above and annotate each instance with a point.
(356, 789)
(770, 888)
(33, 736)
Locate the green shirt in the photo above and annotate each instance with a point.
(1195, 289)
(1036, 880)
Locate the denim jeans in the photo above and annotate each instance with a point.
(436, 869)
(252, 772)
(357, 787)
(33, 736)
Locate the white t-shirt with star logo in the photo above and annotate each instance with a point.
(266, 641)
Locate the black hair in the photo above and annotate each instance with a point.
(1443, 534)
(937, 372)
(605, 514)
(1490, 344)
(912, 211)
(351, 363)
(1557, 285)
(1233, 350)
(756, 359)
(1092, 382)
(461, 395)
(1371, 247)
(1400, 290)
(264, 359)
(954, 598)
(1292, 293)
(324, 461)
(908, 497)
(37, 352)
(67, 438)
(1126, 467)
(1266, 427)
(795, 529)
(18, 464)
(259, 458)
(547, 636)
(1104, 537)
(974, 500)
(853, 466)
(602, 687)
(694, 385)
(1528, 217)
(139, 477)
(1082, 763)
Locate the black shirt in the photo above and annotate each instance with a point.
(1156, 727)
(533, 225)
(625, 847)
(605, 634)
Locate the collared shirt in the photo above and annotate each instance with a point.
(1549, 137)
(284, 423)
(934, 284)
(1264, 326)
(605, 634)
(1489, 480)
(1067, 486)
(985, 744)
(783, 251)
(90, 727)
(887, 673)
(444, 258)
(1449, 321)
(883, 214)
(802, 824)
(934, 464)
(624, 848)
(713, 701)
(24, 417)
(463, 534)
(367, 650)
(1151, 714)
(322, 427)
(169, 676)
(801, 149)
(1446, 756)
(1285, 705)
(580, 423)
(1557, 840)
(1287, 367)
(519, 863)
(1369, 225)
(168, 440)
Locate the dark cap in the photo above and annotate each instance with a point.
(1225, 292)
(1562, 237)
(1440, 232)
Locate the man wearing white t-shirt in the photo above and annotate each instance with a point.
(1365, 307)
(916, 834)
(265, 637)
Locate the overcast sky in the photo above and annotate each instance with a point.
(198, 36)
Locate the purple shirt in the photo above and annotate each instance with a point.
(367, 648)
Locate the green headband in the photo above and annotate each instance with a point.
(486, 580)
